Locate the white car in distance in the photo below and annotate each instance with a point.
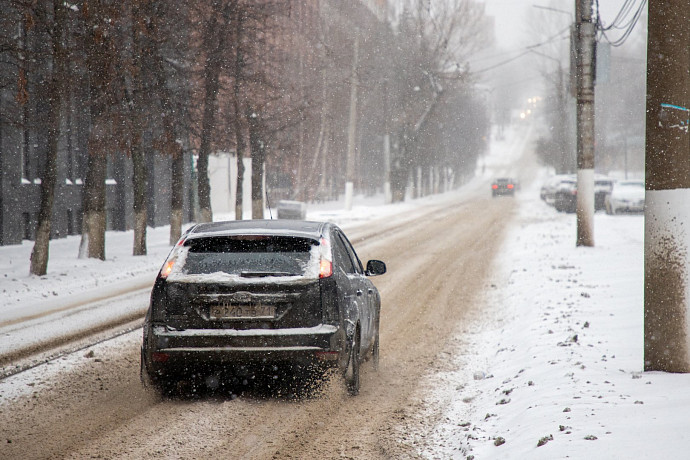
(626, 196)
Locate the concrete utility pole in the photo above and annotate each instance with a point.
(585, 30)
(667, 162)
(352, 129)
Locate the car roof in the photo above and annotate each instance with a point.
(284, 227)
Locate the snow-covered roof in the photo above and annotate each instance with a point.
(298, 228)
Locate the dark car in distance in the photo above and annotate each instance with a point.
(234, 299)
(503, 186)
(565, 199)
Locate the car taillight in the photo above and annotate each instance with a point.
(167, 268)
(325, 268)
(510, 185)
(494, 186)
(172, 258)
(325, 261)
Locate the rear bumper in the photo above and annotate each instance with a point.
(173, 351)
(627, 207)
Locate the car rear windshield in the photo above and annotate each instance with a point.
(249, 255)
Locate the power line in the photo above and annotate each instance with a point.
(617, 23)
(527, 50)
(620, 16)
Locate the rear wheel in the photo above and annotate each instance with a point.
(147, 381)
(165, 388)
(352, 371)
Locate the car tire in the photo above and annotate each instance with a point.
(154, 385)
(352, 370)
(147, 381)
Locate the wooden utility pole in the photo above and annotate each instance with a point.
(667, 162)
(585, 30)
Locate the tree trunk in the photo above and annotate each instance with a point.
(100, 54)
(240, 141)
(323, 188)
(170, 144)
(94, 205)
(39, 254)
(257, 152)
(139, 182)
(177, 194)
(214, 41)
(239, 195)
(257, 188)
(352, 129)
(142, 54)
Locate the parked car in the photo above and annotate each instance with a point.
(628, 196)
(602, 187)
(503, 186)
(292, 210)
(550, 187)
(565, 197)
(244, 297)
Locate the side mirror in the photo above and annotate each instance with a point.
(375, 267)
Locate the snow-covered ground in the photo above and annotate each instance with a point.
(556, 367)
(556, 354)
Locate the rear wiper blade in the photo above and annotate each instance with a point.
(256, 274)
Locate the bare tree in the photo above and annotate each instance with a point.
(437, 38)
(55, 15)
(140, 52)
(109, 125)
(214, 41)
(239, 20)
(258, 92)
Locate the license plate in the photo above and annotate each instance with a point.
(232, 311)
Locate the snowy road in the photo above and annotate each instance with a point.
(500, 339)
(92, 404)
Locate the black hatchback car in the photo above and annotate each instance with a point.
(244, 296)
(503, 186)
